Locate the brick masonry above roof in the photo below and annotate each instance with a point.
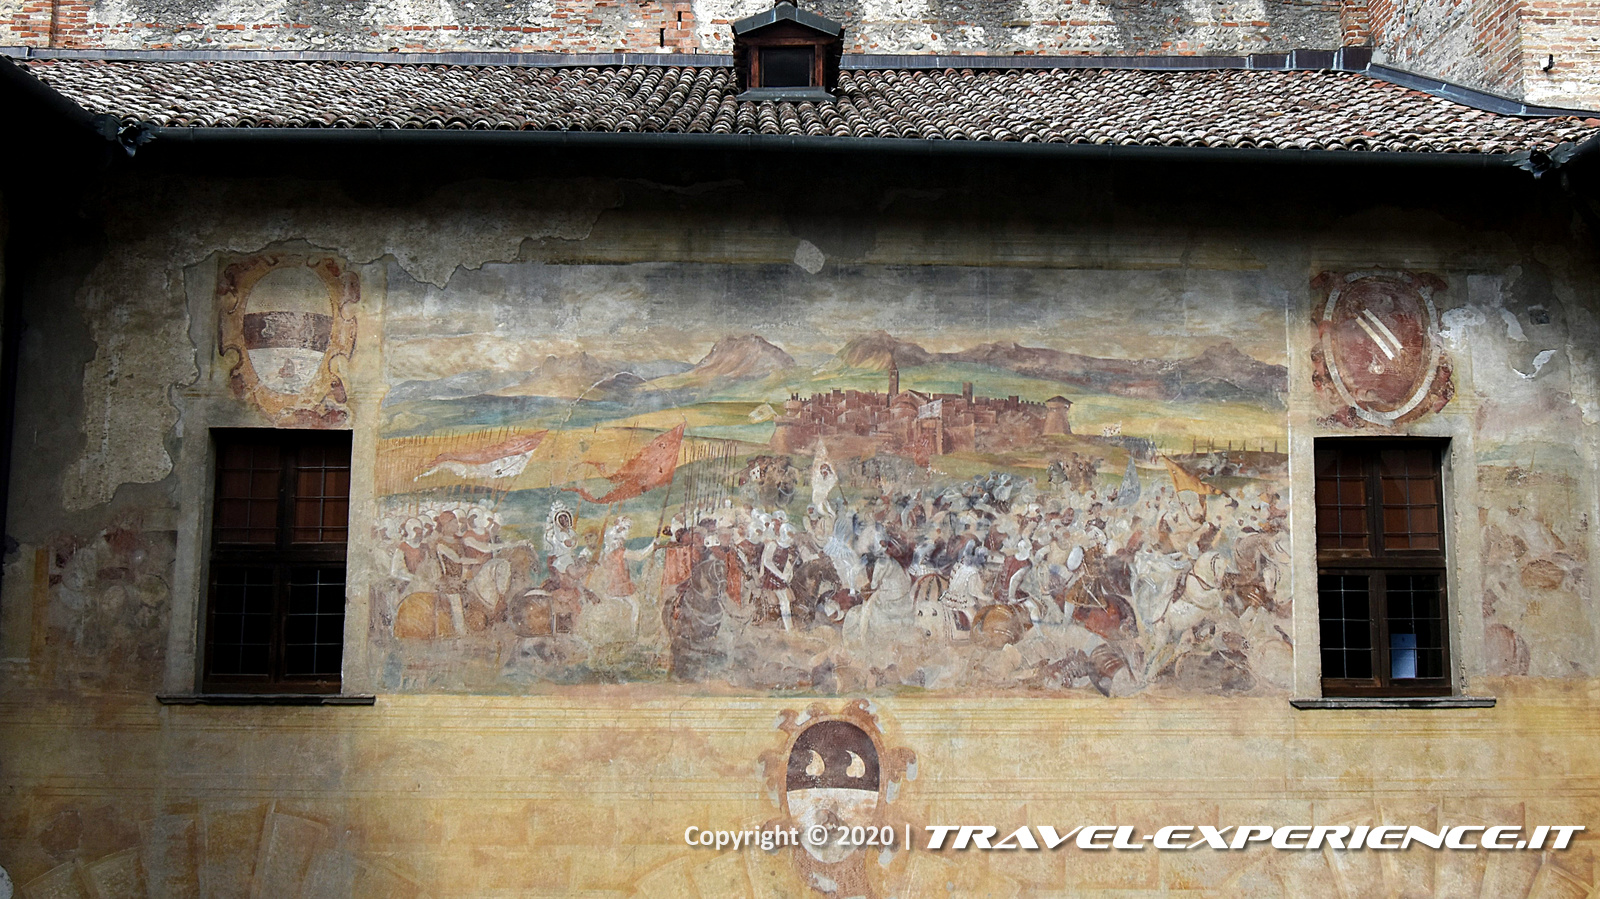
(1226, 108)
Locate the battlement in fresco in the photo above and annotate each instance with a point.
(916, 423)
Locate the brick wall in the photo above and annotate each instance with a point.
(1471, 42)
(25, 23)
(874, 26)
(1565, 36)
(1502, 46)
(1355, 23)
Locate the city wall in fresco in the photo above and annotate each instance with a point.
(880, 481)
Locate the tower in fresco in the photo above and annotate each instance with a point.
(1056, 421)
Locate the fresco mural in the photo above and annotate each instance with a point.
(581, 485)
(1379, 359)
(287, 329)
(103, 596)
(216, 848)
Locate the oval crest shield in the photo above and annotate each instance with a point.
(289, 324)
(1379, 343)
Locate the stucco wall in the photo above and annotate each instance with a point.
(480, 771)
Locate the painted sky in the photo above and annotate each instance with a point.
(509, 316)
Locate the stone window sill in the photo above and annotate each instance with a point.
(1396, 702)
(266, 698)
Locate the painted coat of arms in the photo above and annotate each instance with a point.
(1379, 358)
(287, 326)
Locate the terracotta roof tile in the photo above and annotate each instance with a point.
(1314, 110)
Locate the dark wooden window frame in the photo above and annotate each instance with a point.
(283, 556)
(759, 45)
(1379, 564)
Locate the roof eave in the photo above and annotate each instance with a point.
(579, 140)
(1350, 60)
(14, 78)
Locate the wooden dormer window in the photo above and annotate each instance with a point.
(787, 53)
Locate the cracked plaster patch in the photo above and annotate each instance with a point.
(809, 257)
(138, 314)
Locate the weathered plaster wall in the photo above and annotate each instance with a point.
(875, 26)
(547, 799)
(552, 787)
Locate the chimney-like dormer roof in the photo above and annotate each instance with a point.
(787, 53)
(788, 12)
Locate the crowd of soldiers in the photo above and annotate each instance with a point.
(1074, 582)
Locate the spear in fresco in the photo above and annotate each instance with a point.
(505, 459)
(652, 468)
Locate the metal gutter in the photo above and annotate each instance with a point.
(13, 77)
(595, 140)
(1468, 96)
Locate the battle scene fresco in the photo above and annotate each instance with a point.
(748, 477)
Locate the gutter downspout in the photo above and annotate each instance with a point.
(1585, 159)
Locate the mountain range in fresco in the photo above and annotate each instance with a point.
(1219, 373)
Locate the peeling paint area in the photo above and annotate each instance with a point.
(141, 331)
(1536, 571)
(100, 605)
(142, 351)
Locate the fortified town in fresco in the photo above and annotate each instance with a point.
(881, 517)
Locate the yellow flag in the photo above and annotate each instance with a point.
(1183, 479)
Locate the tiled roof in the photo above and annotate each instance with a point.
(1311, 110)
